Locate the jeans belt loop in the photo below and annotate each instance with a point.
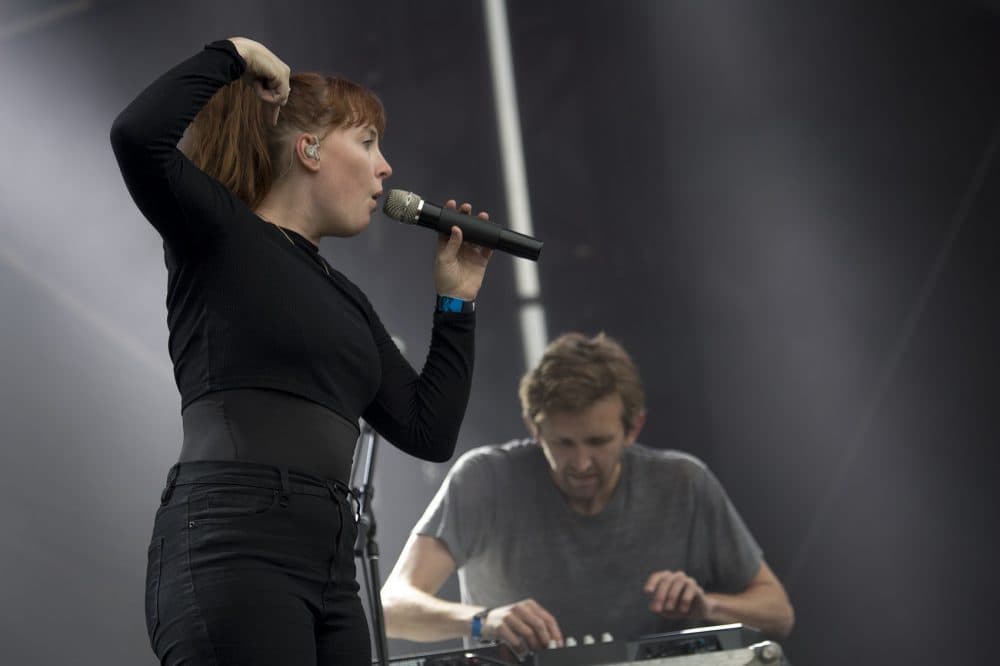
(168, 490)
(285, 486)
(353, 500)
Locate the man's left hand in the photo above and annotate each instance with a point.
(675, 595)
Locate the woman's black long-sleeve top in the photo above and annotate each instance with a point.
(246, 308)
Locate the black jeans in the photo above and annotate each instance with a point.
(251, 565)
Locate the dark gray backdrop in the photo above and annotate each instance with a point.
(784, 210)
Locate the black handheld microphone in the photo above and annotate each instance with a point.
(409, 208)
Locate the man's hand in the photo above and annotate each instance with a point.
(523, 626)
(675, 595)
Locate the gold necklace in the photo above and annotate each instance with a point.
(322, 261)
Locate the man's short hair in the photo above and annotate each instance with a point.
(575, 372)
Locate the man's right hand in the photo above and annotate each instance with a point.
(523, 626)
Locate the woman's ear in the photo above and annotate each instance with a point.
(307, 151)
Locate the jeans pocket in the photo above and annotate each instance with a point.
(154, 566)
(222, 503)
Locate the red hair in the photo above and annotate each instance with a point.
(232, 138)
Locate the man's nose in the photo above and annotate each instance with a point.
(581, 462)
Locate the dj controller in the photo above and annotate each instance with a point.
(728, 644)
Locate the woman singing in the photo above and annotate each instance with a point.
(276, 353)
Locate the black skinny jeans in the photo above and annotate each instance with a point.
(251, 564)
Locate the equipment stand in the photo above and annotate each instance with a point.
(366, 547)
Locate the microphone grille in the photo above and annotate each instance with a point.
(401, 205)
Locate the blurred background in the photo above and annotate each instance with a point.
(785, 211)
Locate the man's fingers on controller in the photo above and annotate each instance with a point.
(504, 635)
(530, 627)
(541, 624)
(662, 596)
(510, 637)
(688, 598)
(676, 592)
(540, 629)
(515, 643)
(669, 596)
(656, 604)
(661, 589)
(554, 629)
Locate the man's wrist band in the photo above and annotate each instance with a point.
(451, 304)
(477, 624)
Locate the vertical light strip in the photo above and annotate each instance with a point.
(532, 332)
(532, 314)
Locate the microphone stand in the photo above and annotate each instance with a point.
(366, 547)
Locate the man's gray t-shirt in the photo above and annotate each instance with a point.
(513, 536)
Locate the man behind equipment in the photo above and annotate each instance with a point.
(580, 530)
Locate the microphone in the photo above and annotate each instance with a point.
(409, 208)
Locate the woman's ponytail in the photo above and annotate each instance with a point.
(228, 140)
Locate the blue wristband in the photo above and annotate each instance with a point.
(477, 624)
(451, 304)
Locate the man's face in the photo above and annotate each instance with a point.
(584, 451)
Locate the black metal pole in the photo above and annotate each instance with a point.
(366, 547)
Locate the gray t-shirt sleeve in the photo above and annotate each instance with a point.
(463, 510)
(721, 540)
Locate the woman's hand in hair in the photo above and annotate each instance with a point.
(266, 72)
(460, 266)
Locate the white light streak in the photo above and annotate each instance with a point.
(25, 24)
(120, 339)
(514, 173)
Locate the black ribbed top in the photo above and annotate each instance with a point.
(246, 308)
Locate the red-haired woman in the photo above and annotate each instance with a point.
(276, 353)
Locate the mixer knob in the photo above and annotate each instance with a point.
(606, 637)
(570, 642)
(552, 644)
(588, 640)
